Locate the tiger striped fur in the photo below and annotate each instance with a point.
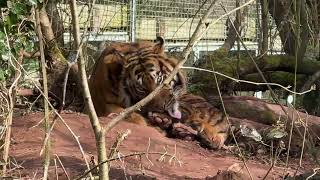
(210, 124)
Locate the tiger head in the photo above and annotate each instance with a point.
(146, 69)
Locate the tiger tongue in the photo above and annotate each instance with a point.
(175, 114)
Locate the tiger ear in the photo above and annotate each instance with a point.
(121, 56)
(159, 46)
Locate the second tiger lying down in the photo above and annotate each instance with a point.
(210, 125)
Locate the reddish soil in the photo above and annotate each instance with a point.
(196, 162)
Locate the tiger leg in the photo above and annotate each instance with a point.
(172, 126)
(214, 135)
(134, 117)
(183, 131)
(159, 119)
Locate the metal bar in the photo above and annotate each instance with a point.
(133, 11)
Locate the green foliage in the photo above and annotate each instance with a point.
(276, 133)
(16, 34)
(195, 88)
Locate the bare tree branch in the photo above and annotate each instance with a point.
(46, 162)
(11, 101)
(232, 35)
(304, 35)
(280, 11)
(98, 131)
(264, 26)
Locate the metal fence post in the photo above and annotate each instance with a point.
(133, 13)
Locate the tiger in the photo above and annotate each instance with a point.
(125, 73)
(209, 125)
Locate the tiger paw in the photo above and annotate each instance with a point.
(183, 131)
(112, 115)
(161, 120)
(212, 141)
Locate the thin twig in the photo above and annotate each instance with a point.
(46, 162)
(313, 174)
(62, 166)
(147, 152)
(98, 131)
(273, 160)
(229, 124)
(35, 174)
(201, 28)
(296, 7)
(47, 136)
(303, 141)
(56, 168)
(65, 82)
(120, 138)
(174, 156)
(123, 166)
(11, 94)
(163, 156)
(32, 104)
(269, 170)
(16, 165)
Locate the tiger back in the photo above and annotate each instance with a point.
(209, 122)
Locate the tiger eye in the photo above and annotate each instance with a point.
(149, 65)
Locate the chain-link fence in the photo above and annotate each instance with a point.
(175, 20)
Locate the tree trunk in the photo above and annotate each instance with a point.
(57, 64)
(264, 26)
(280, 11)
(277, 68)
(56, 22)
(235, 29)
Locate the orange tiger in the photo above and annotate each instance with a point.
(125, 73)
(210, 125)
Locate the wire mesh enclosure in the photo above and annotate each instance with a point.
(175, 20)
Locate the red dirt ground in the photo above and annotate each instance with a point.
(197, 162)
